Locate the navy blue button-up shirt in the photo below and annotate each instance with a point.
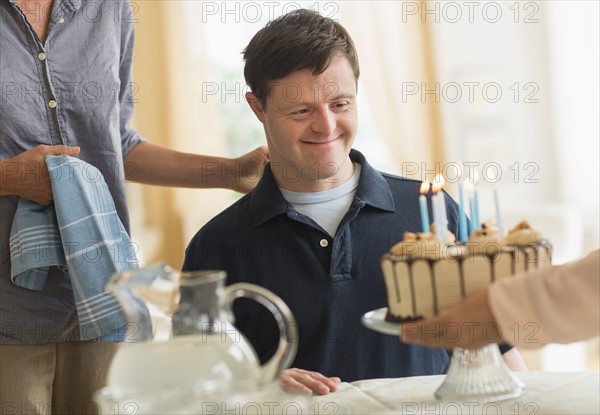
(263, 240)
(74, 89)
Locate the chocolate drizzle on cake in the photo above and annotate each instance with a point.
(492, 260)
(398, 319)
(512, 262)
(412, 288)
(396, 284)
(461, 273)
(433, 286)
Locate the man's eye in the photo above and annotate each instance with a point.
(300, 111)
(341, 105)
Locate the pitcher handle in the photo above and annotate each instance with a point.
(288, 330)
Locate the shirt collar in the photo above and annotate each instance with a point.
(266, 201)
(62, 7)
(373, 189)
(71, 5)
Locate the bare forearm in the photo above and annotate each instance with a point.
(152, 164)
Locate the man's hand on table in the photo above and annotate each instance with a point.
(306, 382)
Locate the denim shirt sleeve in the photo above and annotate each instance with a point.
(129, 136)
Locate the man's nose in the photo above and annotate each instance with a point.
(324, 122)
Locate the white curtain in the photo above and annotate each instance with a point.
(395, 56)
(171, 112)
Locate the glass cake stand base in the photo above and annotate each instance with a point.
(479, 375)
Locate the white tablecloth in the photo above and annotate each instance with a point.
(545, 393)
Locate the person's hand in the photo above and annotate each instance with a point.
(26, 175)
(469, 325)
(250, 166)
(306, 382)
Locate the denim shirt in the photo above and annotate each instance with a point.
(75, 89)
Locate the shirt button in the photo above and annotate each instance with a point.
(62, 20)
(52, 104)
(324, 243)
(42, 56)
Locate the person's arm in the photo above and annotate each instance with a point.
(153, 164)
(553, 305)
(26, 175)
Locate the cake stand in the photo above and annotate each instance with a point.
(474, 375)
(479, 374)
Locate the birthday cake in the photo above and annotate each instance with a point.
(424, 276)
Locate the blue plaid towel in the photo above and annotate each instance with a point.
(81, 232)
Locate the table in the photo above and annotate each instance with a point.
(545, 393)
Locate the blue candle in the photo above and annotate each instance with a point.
(462, 217)
(423, 207)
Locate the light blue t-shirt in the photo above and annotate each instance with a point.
(328, 207)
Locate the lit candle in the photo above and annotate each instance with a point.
(476, 220)
(462, 217)
(423, 206)
(439, 209)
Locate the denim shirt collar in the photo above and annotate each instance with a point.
(62, 7)
(266, 201)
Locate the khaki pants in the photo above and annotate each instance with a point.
(55, 378)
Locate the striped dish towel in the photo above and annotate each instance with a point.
(82, 232)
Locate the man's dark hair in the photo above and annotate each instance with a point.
(301, 39)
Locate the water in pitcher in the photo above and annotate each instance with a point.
(199, 361)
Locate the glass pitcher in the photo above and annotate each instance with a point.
(180, 342)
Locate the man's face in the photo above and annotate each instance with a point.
(310, 123)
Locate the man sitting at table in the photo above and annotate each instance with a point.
(314, 229)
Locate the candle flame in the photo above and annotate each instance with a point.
(469, 187)
(438, 183)
(425, 187)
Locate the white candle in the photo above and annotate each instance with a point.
(439, 209)
(475, 218)
(498, 215)
(423, 207)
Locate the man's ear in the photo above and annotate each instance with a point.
(256, 106)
